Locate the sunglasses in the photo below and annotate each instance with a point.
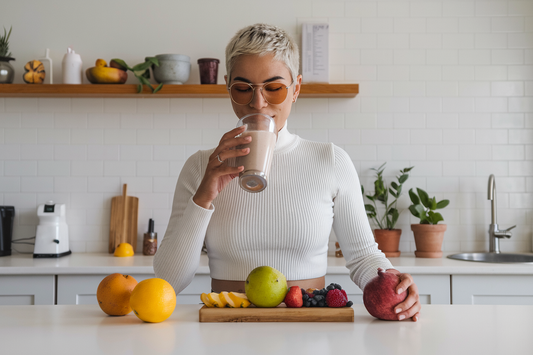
(243, 93)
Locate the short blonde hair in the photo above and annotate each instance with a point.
(261, 39)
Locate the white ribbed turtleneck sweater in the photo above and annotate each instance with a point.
(312, 187)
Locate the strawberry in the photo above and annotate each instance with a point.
(293, 299)
(336, 298)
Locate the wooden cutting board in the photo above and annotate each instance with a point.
(277, 314)
(123, 223)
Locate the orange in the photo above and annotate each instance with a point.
(124, 249)
(113, 294)
(153, 300)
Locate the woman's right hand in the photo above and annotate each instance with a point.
(218, 175)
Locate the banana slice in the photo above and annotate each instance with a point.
(214, 298)
(205, 300)
(239, 300)
(224, 299)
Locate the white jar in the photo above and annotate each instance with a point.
(72, 68)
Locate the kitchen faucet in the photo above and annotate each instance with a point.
(494, 233)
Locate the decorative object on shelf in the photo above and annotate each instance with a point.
(71, 67)
(386, 236)
(102, 74)
(7, 72)
(34, 72)
(173, 69)
(47, 59)
(208, 70)
(428, 234)
(150, 240)
(140, 71)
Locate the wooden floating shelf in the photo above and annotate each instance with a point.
(168, 91)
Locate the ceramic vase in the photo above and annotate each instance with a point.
(7, 72)
(428, 239)
(388, 241)
(173, 69)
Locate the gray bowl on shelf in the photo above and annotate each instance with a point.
(173, 69)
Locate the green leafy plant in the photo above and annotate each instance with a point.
(4, 43)
(423, 207)
(142, 72)
(382, 193)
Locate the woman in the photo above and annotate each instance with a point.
(312, 187)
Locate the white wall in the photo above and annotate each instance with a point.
(445, 86)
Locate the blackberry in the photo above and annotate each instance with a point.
(305, 297)
(322, 303)
(330, 287)
(313, 302)
(307, 303)
(337, 286)
(319, 298)
(303, 291)
(349, 304)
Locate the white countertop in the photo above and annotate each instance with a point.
(103, 263)
(442, 329)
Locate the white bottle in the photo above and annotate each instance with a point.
(71, 65)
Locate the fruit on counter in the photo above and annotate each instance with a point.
(313, 297)
(124, 249)
(102, 74)
(293, 299)
(336, 298)
(116, 64)
(113, 294)
(380, 297)
(265, 287)
(34, 72)
(153, 300)
(225, 299)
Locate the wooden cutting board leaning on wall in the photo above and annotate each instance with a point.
(123, 223)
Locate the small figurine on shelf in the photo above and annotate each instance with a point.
(34, 72)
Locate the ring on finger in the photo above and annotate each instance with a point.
(220, 160)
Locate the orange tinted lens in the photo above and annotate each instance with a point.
(241, 93)
(275, 93)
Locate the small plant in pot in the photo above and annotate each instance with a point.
(7, 72)
(428, 234)
(387, 237)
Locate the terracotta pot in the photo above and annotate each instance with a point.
(388, 241)
(428, 239)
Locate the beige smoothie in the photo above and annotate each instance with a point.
(258, 160)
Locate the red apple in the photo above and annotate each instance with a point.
(380, 297)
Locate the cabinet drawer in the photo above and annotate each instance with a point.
(27, 290)
(492, 289)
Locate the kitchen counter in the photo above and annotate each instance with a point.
(103, 263)
(442, 329)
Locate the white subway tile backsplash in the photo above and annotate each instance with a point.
(103, 120)
(362, 152)
(475, 152)
(521, 200)
(475, 120)
(10, 119)
(54, 105)
(459, 104)
(377, 25)
(34, 152)
(360, 40)
(520, 168)
(37, 120)
(474, 88)
(21, 104)
(21, 200)
(521, 136)
(458, 41)
(137, 184)
(394, 40)
(70, 184)
(87, 168)
(135, 152)
(119, 105)
(53, 168)
(476, 57)
(442, 57)
(87, 105)
(493, 72)
(70, 152)
(70, 120)
(442, 120)
(360, 72)
(508, 120)
(492, 40)
(344, 136)
(119, 168)
(458, 72)
(519, 40)
(442, 184)
(442, 152)
(37, 184)
(327, 120)
(136, 120)
(361, 9)
(492, 136)
(20, 168)
(53, 136)
(152, 106)
(474, 24)
(511, 184)
(491, 104)
(9, 184)
(425, 104)
(521, 104)
(425, 41)
(104, 184)
(120, 136)
(20, 136)
(498, 168)
(410, 25)
(409, 56)
(426, 136)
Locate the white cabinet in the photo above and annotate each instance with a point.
(81, 289)
(432, 289)
(492, 289)
(27, 290)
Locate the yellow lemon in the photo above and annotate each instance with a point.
(153, 300)
(124, 249)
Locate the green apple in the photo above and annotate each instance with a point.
(266, 287)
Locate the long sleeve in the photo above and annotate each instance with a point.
(178, 256)
(351, 225)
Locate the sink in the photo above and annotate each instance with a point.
(493, 257)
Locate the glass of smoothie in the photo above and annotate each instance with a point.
(264, 133)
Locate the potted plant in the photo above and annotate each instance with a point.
(387, 237)
(428, 234)
(7, 72)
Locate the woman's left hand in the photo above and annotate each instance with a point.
(410, 307)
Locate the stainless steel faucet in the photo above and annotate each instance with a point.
(494, 233)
